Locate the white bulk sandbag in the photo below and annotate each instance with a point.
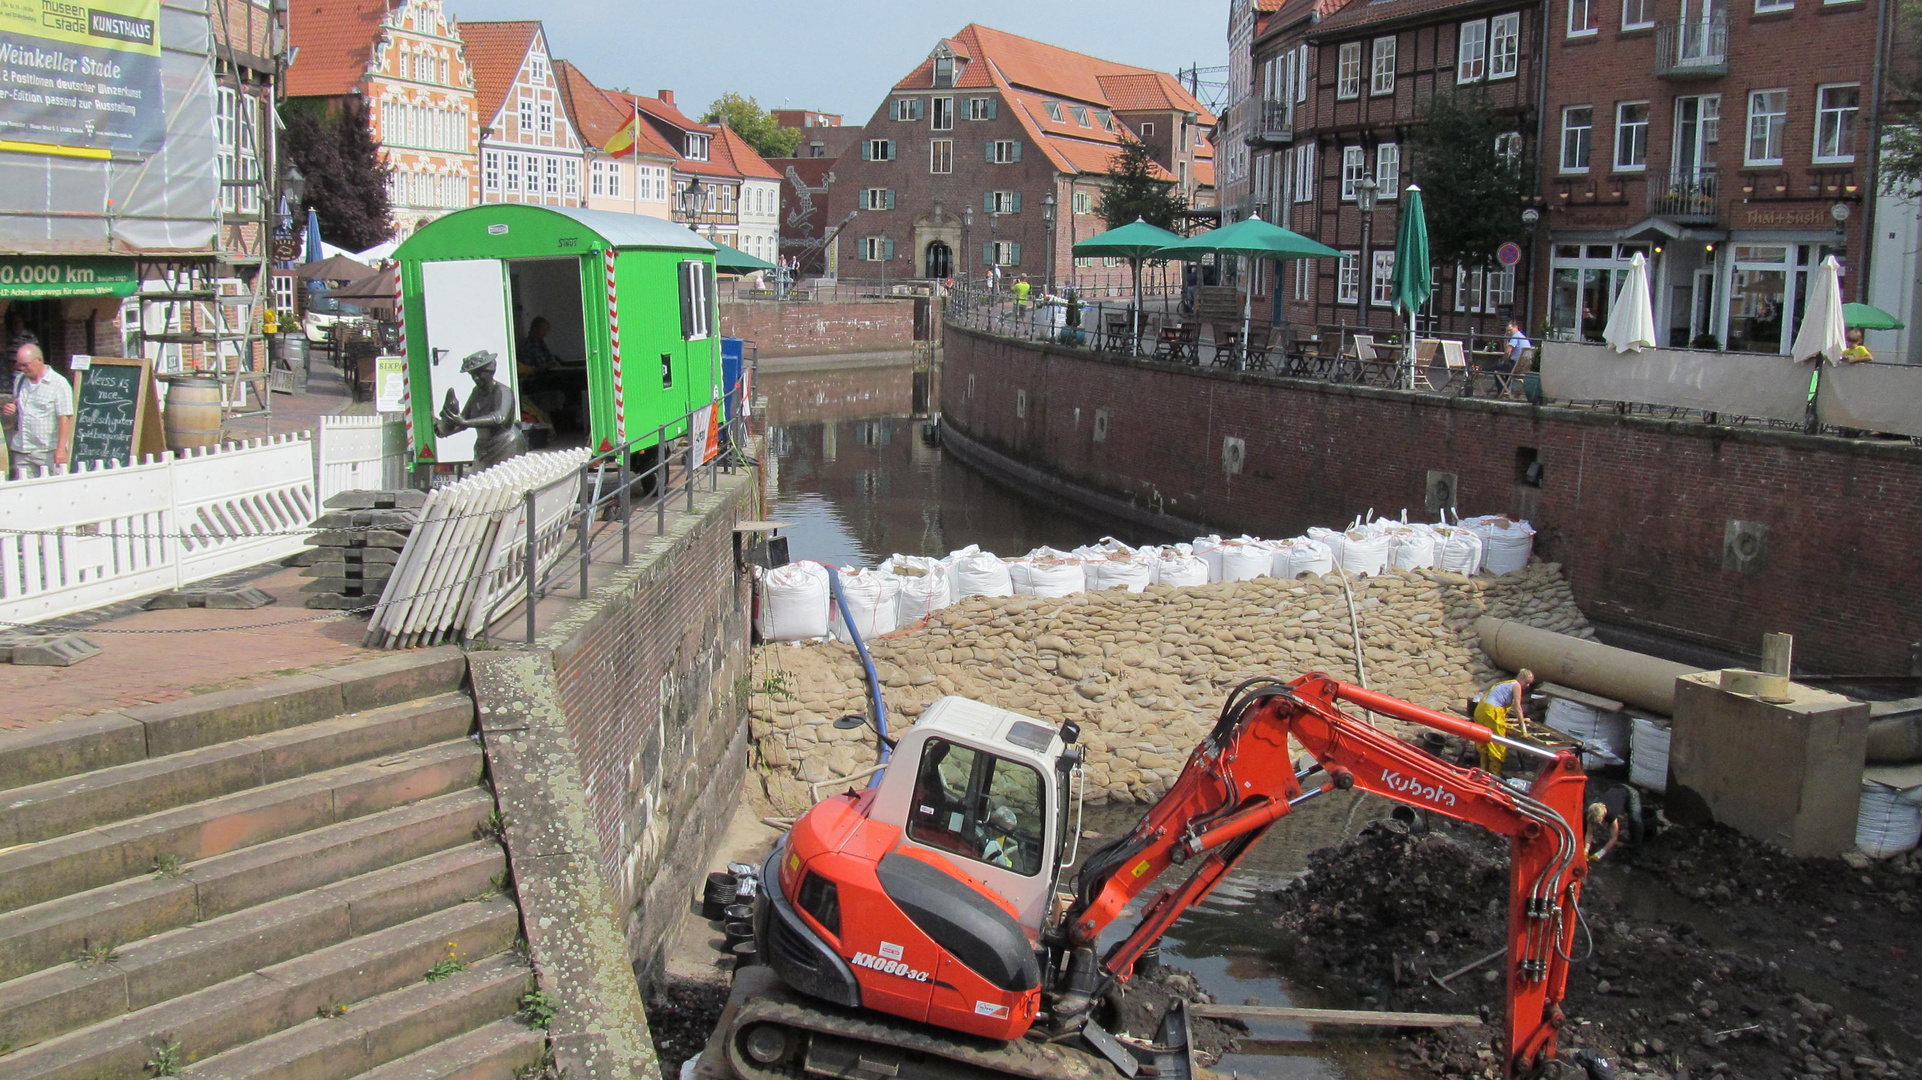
(1301, 555)
(1125, 569)
(1414, 547)
(1648, 754)
(1208, 549)
(978, 573)
(1889, 821)
(1602, 733)
(1506, 542)
(925, 588)
(1458, 550)
(873, 601)
(1176, 567)
(1246, 559)
(1363, 552)
(794, 602)
(1047, 572)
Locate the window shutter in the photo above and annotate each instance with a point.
(987, 203)
(1017, 150)
(1014, 254)
(867, 150)
(994, 108)
(1016, 208)
(887, 249)
(894, 108)
(890, 156)
(990, 157)
(890, 198)
(987, 253)
(920, 108)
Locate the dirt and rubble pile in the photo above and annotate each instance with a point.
(1388, 914)
(1144, 674)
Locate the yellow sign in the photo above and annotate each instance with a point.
(82, 74)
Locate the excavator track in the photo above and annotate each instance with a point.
(817, 1039)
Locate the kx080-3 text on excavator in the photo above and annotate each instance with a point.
(919, 927)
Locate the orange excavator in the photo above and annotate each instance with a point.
(920, 927)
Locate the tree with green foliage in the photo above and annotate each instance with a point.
(751, 122)
(1132, 190)
(1901, 158)
(346, 173)
(1471, 171)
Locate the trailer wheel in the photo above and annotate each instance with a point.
(646, 484)
(767, 1044)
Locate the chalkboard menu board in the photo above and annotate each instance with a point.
(112, 411)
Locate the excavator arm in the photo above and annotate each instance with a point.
(1241, 780)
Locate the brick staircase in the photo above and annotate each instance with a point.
(296, 880)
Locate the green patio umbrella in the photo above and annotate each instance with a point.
(1869, 317)
(1414, 278)
(1134, 242)
(1254, 238)
(730, 260)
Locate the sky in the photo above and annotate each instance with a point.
(840, 56)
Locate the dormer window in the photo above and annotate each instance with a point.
(946, 66)
(697, 147)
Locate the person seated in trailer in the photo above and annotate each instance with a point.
(534, 355)
(491, 412)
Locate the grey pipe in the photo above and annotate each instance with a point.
(1630, 677)
(1895, 732)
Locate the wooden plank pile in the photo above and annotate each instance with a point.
(360, 538)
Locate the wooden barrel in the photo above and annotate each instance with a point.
(193, 413)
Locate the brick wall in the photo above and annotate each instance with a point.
(794, 329)
(651, 675)
(1635, 509)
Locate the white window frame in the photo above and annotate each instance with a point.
(1054, 111)
(1822, 112)
(1381, 65)
(1763, 7)
(1084, 202)
(1301, 74)
(547, 117)
(880, 149)
(553, 171)
(1504, 46)
(1643, 8)
(874, 198)
(1775, 127)
(980, 108)
(941, 117)
(1588, 141)
(512, 173)
(491, 170)
(1509, 144)
(940, 157)
(1348, 71)
(1003, 152)
(1004, 202)
(614, 170)
(1348, 278)
(1354, 166)
(1381, 278)
(596, 179)
(1005, 253)
(1305, 173)
(1471, 51)
(527, 116)
(1581, 18)
(874, 249)
(1147, 128)
(1304, 279)
(1626, 129)
(1388, 170)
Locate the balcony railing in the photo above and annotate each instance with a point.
(1274, 123)
(1684, 199)
(1694, 49)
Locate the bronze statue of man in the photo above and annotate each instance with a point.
(491, 411)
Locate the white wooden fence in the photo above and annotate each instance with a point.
(78, 540)
(361, 452)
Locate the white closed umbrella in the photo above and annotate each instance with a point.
(1824, 331)
(1631, 325)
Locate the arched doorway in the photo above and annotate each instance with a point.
(940, 261)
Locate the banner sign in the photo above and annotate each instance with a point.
(25, 277)
(82, 74)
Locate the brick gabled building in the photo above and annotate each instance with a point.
(1340, 89)
(1731, 144)
(999, 125)
(629, 168)
(405, 60)
(530, 152)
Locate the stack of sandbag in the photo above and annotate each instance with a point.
(1047, 572)
(1889, 821)
(925, 585)
(1111, 564)
(1458, 550)
(1246, 558)
(360, 540)
(873, 604)
(1648, 753)
(1506, 542)
(1301, 557)
(973, 572)
(1177, 564)
(794, 603)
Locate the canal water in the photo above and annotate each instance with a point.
(852, 473)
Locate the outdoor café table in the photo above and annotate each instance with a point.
(1117, 335)
(1228, 348)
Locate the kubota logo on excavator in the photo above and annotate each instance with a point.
(888, 967)
(1408, 785)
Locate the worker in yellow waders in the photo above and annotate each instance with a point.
(1497, 704)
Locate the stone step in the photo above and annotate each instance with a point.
(394, 1027)
(36, 873)
(71, 804)
(179, 962)
(271, 999)
(70, 747)
(499, 1051)
(55, 932)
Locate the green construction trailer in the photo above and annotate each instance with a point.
(631, 349)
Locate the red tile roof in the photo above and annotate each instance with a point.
(1005, 60)
(336, 41)
(600, 115)
(1095, 158)
(495, 53)
(728, 147)
(654, 106)
(1374, 12)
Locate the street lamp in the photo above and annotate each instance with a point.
(967, 222)
(1047, 222)
(1531, 218)
(1365, 194)
(693, 198)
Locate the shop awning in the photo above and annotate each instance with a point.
(30, 277)
(732, 260)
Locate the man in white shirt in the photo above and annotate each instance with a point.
(1517, 341)
(41, 413)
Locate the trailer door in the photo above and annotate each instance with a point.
(465, 301)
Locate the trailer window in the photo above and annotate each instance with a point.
(697, 300)
(979, 806)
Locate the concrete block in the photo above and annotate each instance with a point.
(49, 935)
(359, 519)
(232, 714)
(177, 964)
(63, 650)
(502, 1048)
(343, 586)
(69, 747)
(246, 598)
(1789, 773)
(434, 771)
(364, 499)
(335, 601)
(61, 999)
(387, 538)
(398, 677)
(396, 894)
(73, 803)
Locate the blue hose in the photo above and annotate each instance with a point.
(867, 662)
